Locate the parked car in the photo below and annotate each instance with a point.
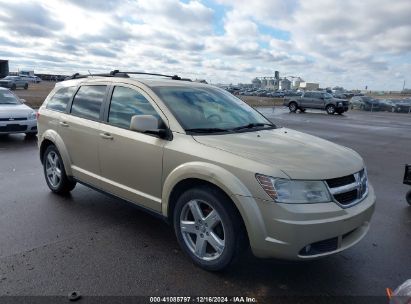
(223, 175)
(316, 100)
(14, 82)
(15, 116)
(35, 79)
(365, 103)
(395, 105)
(403, 106)
(277, 94)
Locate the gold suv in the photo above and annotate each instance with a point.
(222, 174)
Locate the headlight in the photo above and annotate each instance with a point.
(294, 191)
(32, 116)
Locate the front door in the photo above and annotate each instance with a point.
(131, 162)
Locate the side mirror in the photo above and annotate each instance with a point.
(148, 124)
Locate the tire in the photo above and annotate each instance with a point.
(13, 86)
(293, 107)
(55, 173)
(215, 246)
(408, 197)
(330, 109)
(26, 86)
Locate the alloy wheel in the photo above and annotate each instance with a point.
(53, 169)
(202, 229)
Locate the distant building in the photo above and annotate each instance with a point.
(285, 84)
(26, 73)
(4, 68)
(309, 86)
(256, 83)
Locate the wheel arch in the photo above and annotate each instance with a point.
(199, 174)
(50, 137)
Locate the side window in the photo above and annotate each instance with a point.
(88, 100)
(60, 99)
(308, 95)
(125, 103)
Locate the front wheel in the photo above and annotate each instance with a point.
(293, 107)
(208, 228)
(55, 172)
(330, 109)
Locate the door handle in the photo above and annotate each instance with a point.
(106, 136)
(63, 124)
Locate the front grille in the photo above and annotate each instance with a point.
(13, 119)
(341, 181)
(346, 197)
(13, 128)
(350, 189)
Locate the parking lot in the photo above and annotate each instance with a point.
(97, 245)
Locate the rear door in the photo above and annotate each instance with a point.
(79, 130)
(131, 162)
(306, 100)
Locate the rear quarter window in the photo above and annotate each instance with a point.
(59, 101)
(88, 100)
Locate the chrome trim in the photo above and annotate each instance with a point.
(357, 185)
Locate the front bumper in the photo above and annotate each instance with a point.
(306, 231)
(6, 84)
(18, 126)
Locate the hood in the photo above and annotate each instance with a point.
(299, 155)
(20, 110)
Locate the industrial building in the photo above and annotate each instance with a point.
(4, 68)
(284, 83)
(309, 86)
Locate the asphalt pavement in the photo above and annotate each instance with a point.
(97, 245)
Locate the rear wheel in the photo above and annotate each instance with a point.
(330, 109)
(208, 228)
(55, 172)
(293, 107)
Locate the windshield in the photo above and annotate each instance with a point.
(210, 109)
(6, 97)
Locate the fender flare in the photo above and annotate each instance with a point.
(55, 138)
(223, 179)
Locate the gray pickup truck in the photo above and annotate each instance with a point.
(316, 100)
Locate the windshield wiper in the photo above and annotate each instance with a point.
(206, 130)
(252, 125)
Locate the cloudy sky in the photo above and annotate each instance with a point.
(350, 43)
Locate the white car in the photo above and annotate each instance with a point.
(15, 116)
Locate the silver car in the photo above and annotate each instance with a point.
(15, 116)
(14, 82)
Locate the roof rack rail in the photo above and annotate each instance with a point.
(117, 73)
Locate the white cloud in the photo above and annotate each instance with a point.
(349, 43)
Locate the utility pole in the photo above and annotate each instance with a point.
(403, 86)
